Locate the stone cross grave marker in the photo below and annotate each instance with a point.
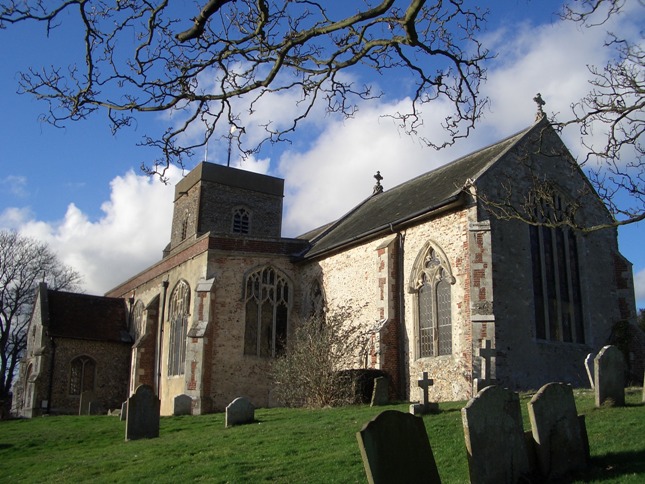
(560, 444)
(183, 405)
(426, 406)
(142, 420)
(609, 377)
(494, 436)
(84, 404)
(590, 369)
(395, 448)
(240, 411)
(380, 394)
(486, 352)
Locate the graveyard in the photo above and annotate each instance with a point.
(285, 445)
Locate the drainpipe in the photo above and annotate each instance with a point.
(162, 317)
(401, 295)
(52, 361)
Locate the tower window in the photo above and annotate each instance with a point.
(241, 221)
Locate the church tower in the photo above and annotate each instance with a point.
(227, 202)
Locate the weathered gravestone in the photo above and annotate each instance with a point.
(240, 411)
(85, 402)
(560, 444)
(380, 394)
(610, 377)
(183, 405)
(486, 353)
(124, 411)
(427, 406)
(142, 421)
(395, 448)
(495, 437)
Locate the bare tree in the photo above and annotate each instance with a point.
(214, 67)
(611, 116)
(310, 373)
(24, 262)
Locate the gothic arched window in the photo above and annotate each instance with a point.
(178, 317)
(557, 291)
(137, 327)
(82, 375)
(267, 302)
(241, 220)
(431, 283)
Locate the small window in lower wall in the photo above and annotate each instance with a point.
(82, 375)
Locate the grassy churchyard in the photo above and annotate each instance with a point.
(283, 445)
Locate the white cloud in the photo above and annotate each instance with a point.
(134, 229)
(15, 185)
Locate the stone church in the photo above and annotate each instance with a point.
(426, 269)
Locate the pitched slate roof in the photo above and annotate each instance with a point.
(80, 316)
(421, 195)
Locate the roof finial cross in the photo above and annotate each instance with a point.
(540, 102)
(378, 188)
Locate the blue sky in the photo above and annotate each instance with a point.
(80, 189)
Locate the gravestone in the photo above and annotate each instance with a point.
(486, 353)
(426, 406)
(96, 408)
(84, 404)
(124, 411)
(590, 369)
(240, 411)
(559, 442)
(494, 437)
(395, 448)
(183, 405)
(142, 421)
(610, 377)
(380, 394)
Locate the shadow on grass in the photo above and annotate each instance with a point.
(615, 464)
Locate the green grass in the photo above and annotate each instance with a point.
(284, 445)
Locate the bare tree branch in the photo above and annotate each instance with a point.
(239, 52)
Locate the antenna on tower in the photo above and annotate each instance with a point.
(230, 142)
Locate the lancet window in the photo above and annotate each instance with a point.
(178, 316)
(82, 375)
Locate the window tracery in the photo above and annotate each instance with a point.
(267, 304)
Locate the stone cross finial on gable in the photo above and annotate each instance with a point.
(540, 103)
(378, 188)
(486, 353)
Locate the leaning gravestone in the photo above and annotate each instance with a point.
(142, 421)
(380, 394)
(610, 377)
(395, 448)
(86, 400)
(559, 440)
(495, 437)
(239, 411)
(590, 369)
(183, 405)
